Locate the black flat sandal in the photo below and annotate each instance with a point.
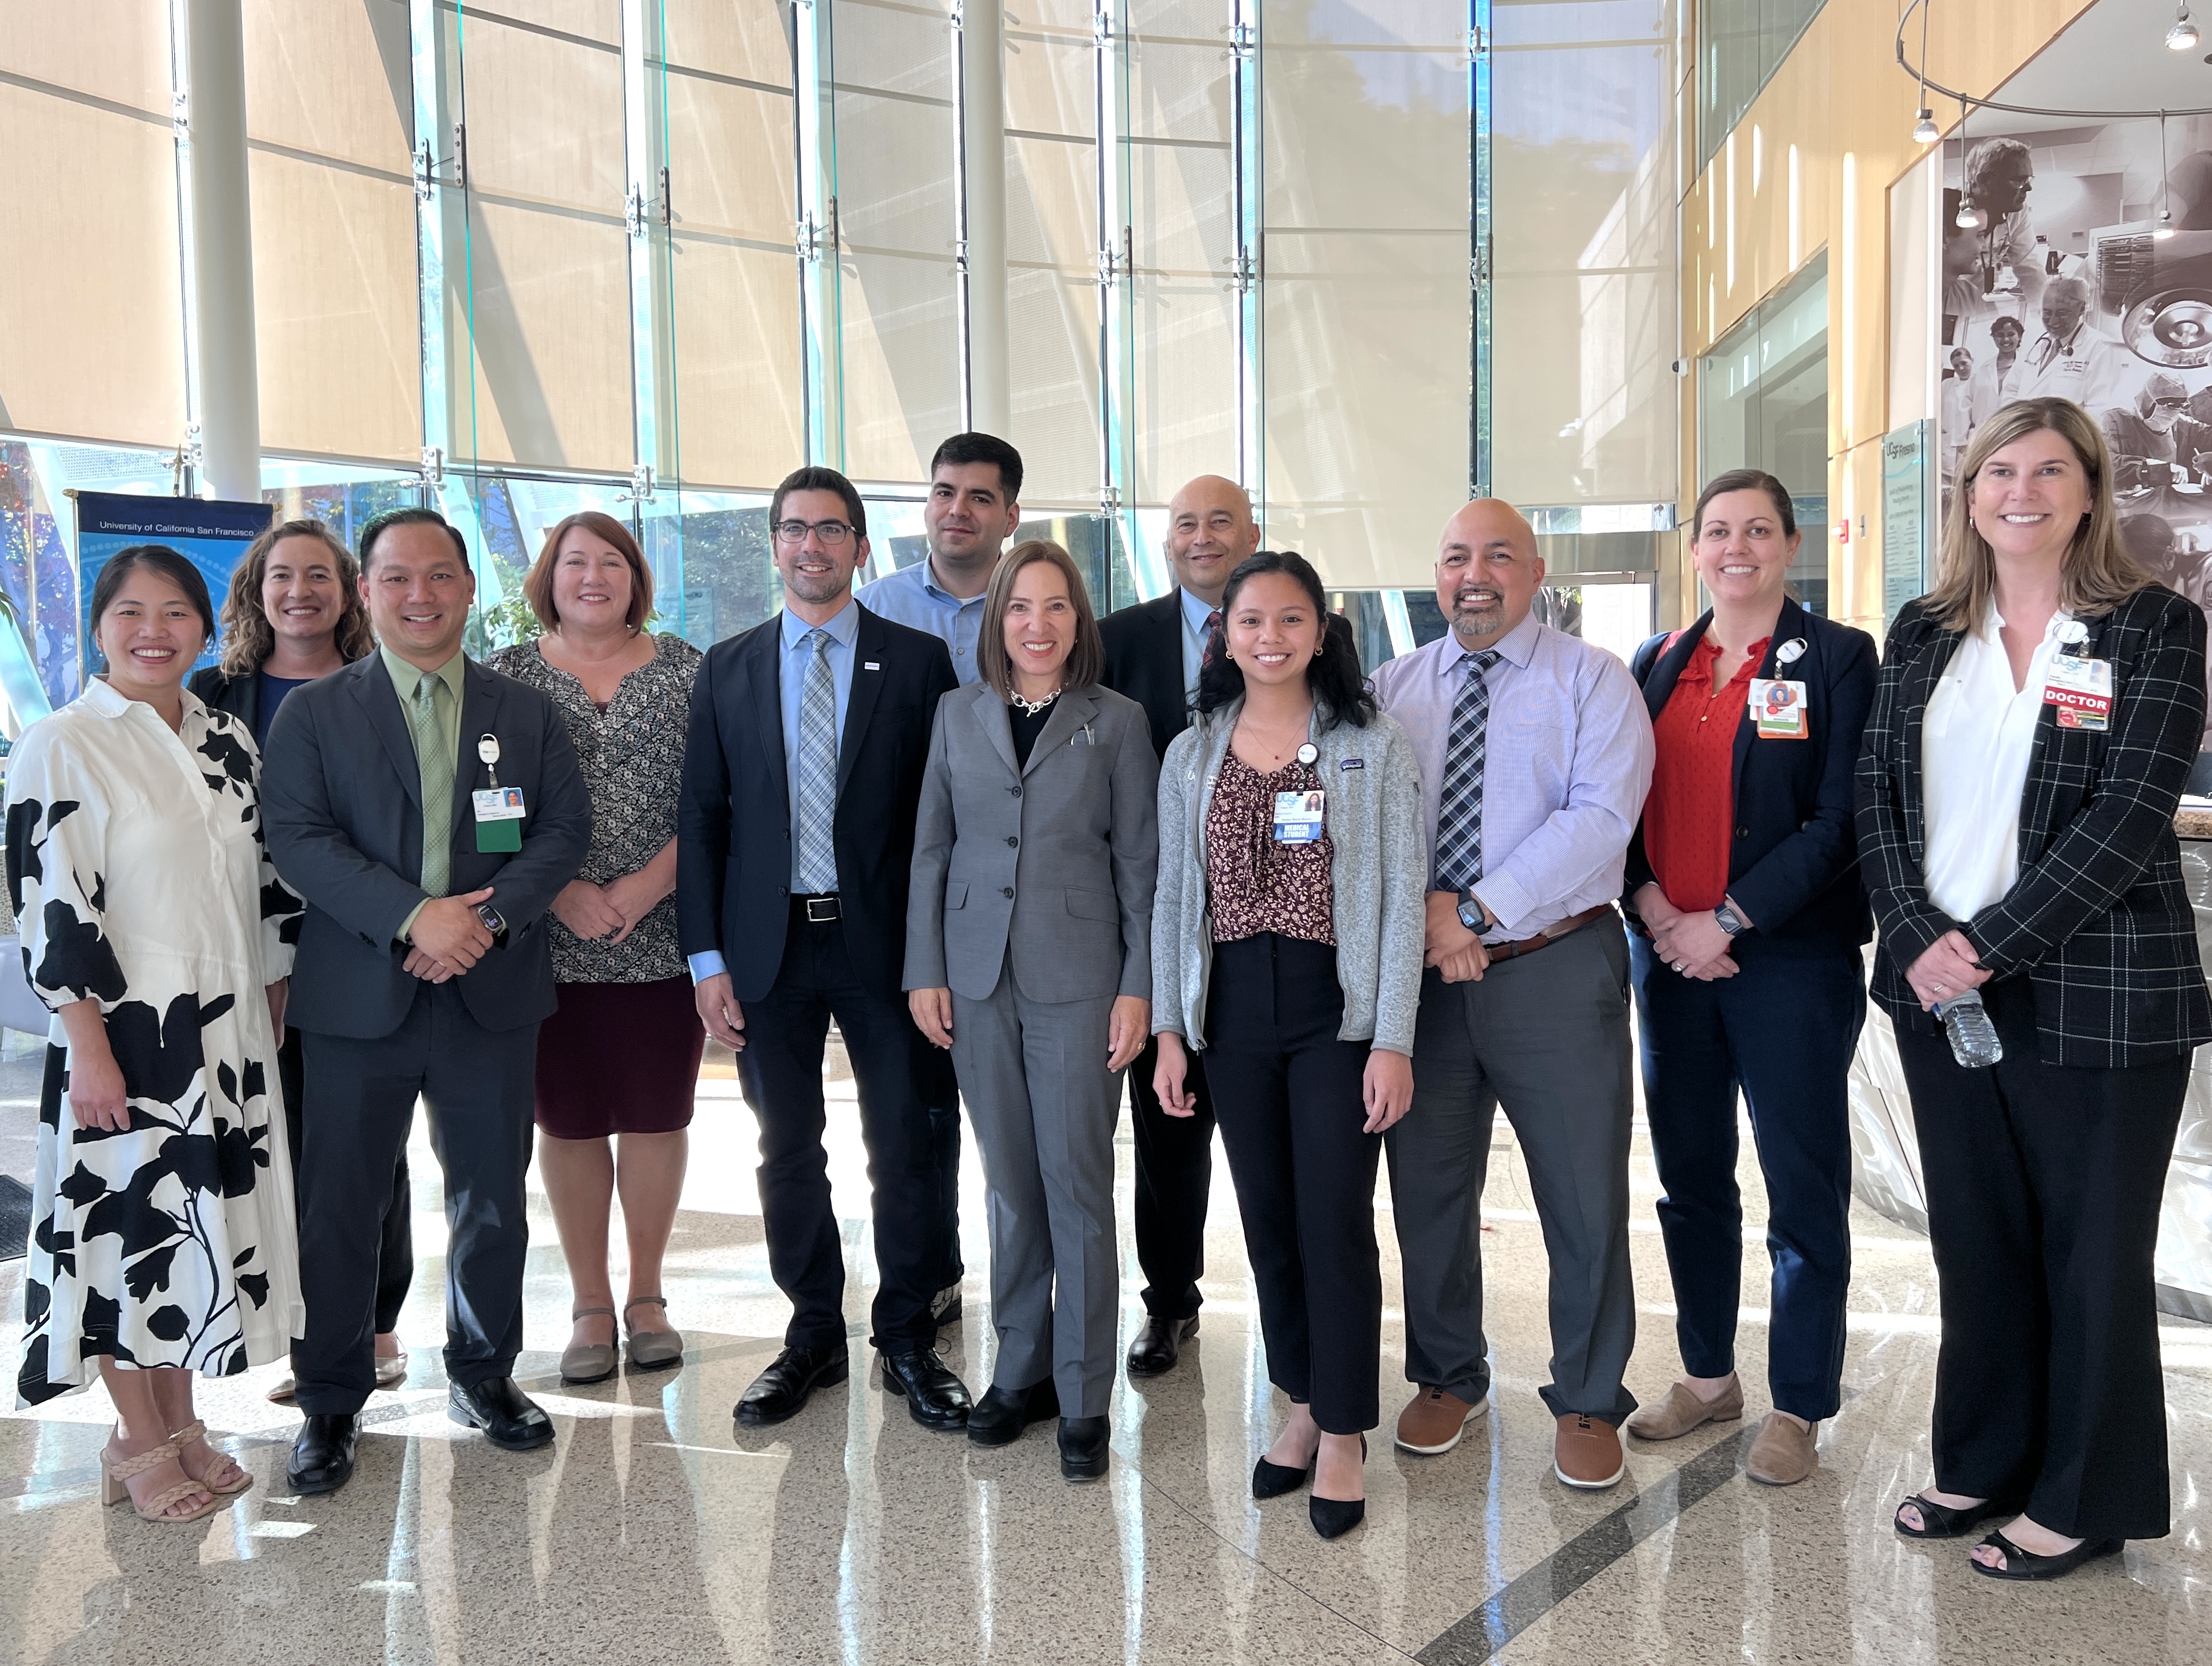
(2027, 1565)
(1939, 1521)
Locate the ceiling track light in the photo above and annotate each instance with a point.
(1925, 131)
(1970, 218)
(2183, 36)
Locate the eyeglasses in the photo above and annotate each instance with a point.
(831, 532)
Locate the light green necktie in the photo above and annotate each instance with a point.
(437, 771)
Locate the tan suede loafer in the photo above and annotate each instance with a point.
(1782, 1454)
(1436, 1419)
(1682, 1411)
(1586, 1452)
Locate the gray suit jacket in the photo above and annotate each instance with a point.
(1049, 869)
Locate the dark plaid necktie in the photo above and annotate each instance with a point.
(1459, 811)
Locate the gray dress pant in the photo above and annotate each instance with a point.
(1043, 1105)
(1547, 1036)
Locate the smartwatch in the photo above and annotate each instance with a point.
(494, 922)
(1730, 920)
(1471, 913)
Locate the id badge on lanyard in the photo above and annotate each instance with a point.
(499, 810)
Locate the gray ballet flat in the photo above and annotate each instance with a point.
(589, 1362)
(653, 1349)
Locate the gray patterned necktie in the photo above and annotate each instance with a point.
(817, 771)
(1459, 811)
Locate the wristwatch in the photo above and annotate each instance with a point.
(1730, 920)
(494, 922)
(1471, 913)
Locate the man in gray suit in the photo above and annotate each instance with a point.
(423, 970)
(1028, 953)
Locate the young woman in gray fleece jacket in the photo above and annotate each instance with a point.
(1286, 943)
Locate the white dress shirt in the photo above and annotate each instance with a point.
(1976, 742)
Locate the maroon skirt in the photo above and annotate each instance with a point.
(619, 1058)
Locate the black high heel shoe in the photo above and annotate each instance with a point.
(1272, 1481)
(1334, 1517)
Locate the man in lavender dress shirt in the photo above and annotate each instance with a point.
(1531, 784)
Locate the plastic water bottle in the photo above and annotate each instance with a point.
(1974, 1041)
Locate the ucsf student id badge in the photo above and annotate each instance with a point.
(1297, 817)
(1778, 707)
(2081, 689)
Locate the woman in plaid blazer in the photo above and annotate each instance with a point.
(2036, 716)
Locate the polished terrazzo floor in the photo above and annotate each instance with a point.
(654, 1530)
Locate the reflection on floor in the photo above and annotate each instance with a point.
(652, 1531)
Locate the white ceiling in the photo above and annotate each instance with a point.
(2113, 57)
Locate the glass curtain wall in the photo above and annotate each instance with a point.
(1762, 400)
(1739, 43)
(525, 257)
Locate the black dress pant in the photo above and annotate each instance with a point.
(2044, 1186)
(1175, 1178)
(395, 1250)
(941, 1091)
(479, 1086)
(1289, 1098)
(780, 1071)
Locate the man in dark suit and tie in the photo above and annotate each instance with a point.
(1152, 654)
(423, 971)
(808, 734)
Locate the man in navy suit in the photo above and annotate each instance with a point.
(795, 838)
(423, 970)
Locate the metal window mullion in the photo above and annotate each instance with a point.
(1480, 275)
(1117, 282)
(180, 126)
(816, 231)
(1246, 126)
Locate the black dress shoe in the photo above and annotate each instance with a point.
(322, 1458)
(1159, 1344)
(781, 1389)
(1334, 1517)
(999, 1418)
(935, 1398)
(509, 1417)
(1083, 1447)
(1272, 1481)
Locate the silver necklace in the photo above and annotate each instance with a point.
(1033, 706)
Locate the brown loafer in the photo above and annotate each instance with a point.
(1586, 1452)
(1436, 1419)
(1782, 1454)
(1682, 1411)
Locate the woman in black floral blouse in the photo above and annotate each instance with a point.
(617, 1065)
(155, 928)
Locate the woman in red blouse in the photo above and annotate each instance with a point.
(1748, 918)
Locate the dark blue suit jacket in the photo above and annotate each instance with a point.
(342, 808)
(1793, 859)
(734, 827)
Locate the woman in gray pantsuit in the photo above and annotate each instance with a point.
(1029, 954)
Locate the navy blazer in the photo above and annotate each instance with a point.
(1793, 861)
(342, 807)
(734, 870)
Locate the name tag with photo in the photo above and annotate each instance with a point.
(1297, 817)
(1777, 708)
(2082, 691)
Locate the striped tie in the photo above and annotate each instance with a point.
(1459, 811)
(437, 774)
(817, 772)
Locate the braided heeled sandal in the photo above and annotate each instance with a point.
(239, 1478)
(116, 1472)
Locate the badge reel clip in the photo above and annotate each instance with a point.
(499, 813)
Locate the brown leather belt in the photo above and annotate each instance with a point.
(1572, 923)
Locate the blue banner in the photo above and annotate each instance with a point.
(211, 535)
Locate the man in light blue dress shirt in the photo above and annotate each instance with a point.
(974, 507)
(1535, 752)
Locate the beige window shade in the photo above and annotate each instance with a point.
(899, 304)
(1584, 321)
(1183, 207)
(329, 107)
(91, 338)
(546, 261)
(1052, 253)
(739, 376)
(1367, 309)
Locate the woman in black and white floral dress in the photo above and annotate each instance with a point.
(154, 926)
